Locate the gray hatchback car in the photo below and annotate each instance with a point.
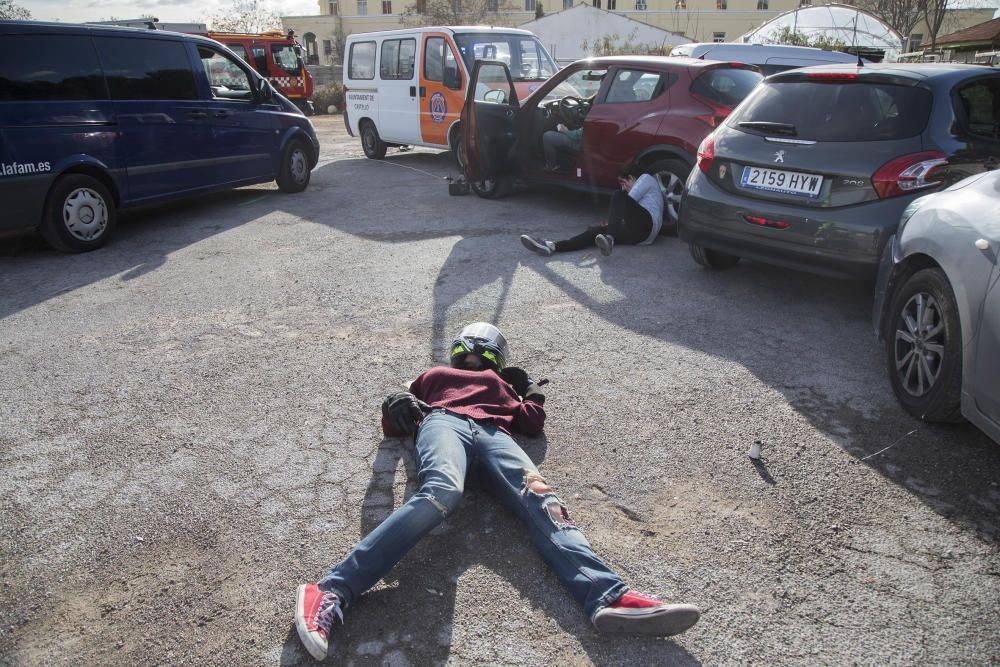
(937, 305)
(814, 168)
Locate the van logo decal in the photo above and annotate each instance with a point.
(779, 156)
(439, 107)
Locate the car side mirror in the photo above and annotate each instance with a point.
(263, 91)
(496, 96)
(452, 79)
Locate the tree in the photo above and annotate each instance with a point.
(456, 12)
(933, 12)
(788, 36)
(608, 45)
(8, 10)
(900, 15)
(249, 16)
(539, 10)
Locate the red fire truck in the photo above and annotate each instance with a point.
(278, 58)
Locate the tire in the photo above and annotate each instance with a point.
(455, 140)
(712, 259)
(494, 188)
(923, 347)
(294, 174)
(79, 214)
(372, 144)
(671, 175)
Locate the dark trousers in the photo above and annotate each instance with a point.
(628, 223)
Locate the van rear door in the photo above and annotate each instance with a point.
(166, 134)
(398, 109)
(442, 88)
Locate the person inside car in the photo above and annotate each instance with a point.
(561, 145)
(635, 216)
(462, 416)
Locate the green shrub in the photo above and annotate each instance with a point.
(327, 95)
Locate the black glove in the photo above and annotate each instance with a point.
(404, 410)
(517, 378)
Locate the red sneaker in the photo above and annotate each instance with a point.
(638, 614)
(315, 612)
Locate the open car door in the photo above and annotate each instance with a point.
(489, 122)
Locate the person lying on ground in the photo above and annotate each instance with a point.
(462, 416)
(635, 216)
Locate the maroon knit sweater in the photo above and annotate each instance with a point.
(482, 395)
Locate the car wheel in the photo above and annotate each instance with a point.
(372, 144)
(923, 347)
(455, 139)
(671, 175)
(492, 188)
(294, 174)
(712, 259)
(79, 214)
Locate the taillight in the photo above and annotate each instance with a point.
(706, 153)
(907, 174)
(832, 76)
(718, 113)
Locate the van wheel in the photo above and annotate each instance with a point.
(712, 259)
(79, 214)
(492, 188)
(671, 176)
(372, 144)
(294, 174)
(455, 140)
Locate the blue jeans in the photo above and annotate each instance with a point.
(447, 447)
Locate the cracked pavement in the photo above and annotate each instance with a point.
(189, 429)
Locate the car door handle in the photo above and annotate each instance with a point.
(222, 114)
(197, 115)
(423, 91)
(413, 91)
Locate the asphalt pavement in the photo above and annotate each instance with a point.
(189, 429)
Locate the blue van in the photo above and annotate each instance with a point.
(96, 118)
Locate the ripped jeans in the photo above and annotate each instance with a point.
(447, 446)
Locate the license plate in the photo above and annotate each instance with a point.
(785, 182)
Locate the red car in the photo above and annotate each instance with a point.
(652, 109)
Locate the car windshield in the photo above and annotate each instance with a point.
(831, 111)
(582, 83)
(524, 55)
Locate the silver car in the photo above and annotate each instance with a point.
(937, 305)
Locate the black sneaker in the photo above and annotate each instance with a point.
(544, 248)
(606, 242)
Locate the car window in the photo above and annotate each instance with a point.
(981, 103)
(830, 111)
(493, 85)
(285, 57)
(241, 51)
(398, 59)
(146, 69)
(59, 68)
(633, 86)
(227, 79)
(361, 64)
(523, 55)
(437, 58)
(725, 87)
(581, 83)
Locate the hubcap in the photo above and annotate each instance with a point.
(85, 214)
(919, 344)
(671, 187)
(297, 165)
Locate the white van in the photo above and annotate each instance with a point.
(770, 58)
(407, 87)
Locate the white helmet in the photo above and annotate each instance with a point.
(483, 339)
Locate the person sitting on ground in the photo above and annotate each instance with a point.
(462, 416)
(635, 217)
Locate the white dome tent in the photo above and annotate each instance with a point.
(850, 25)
